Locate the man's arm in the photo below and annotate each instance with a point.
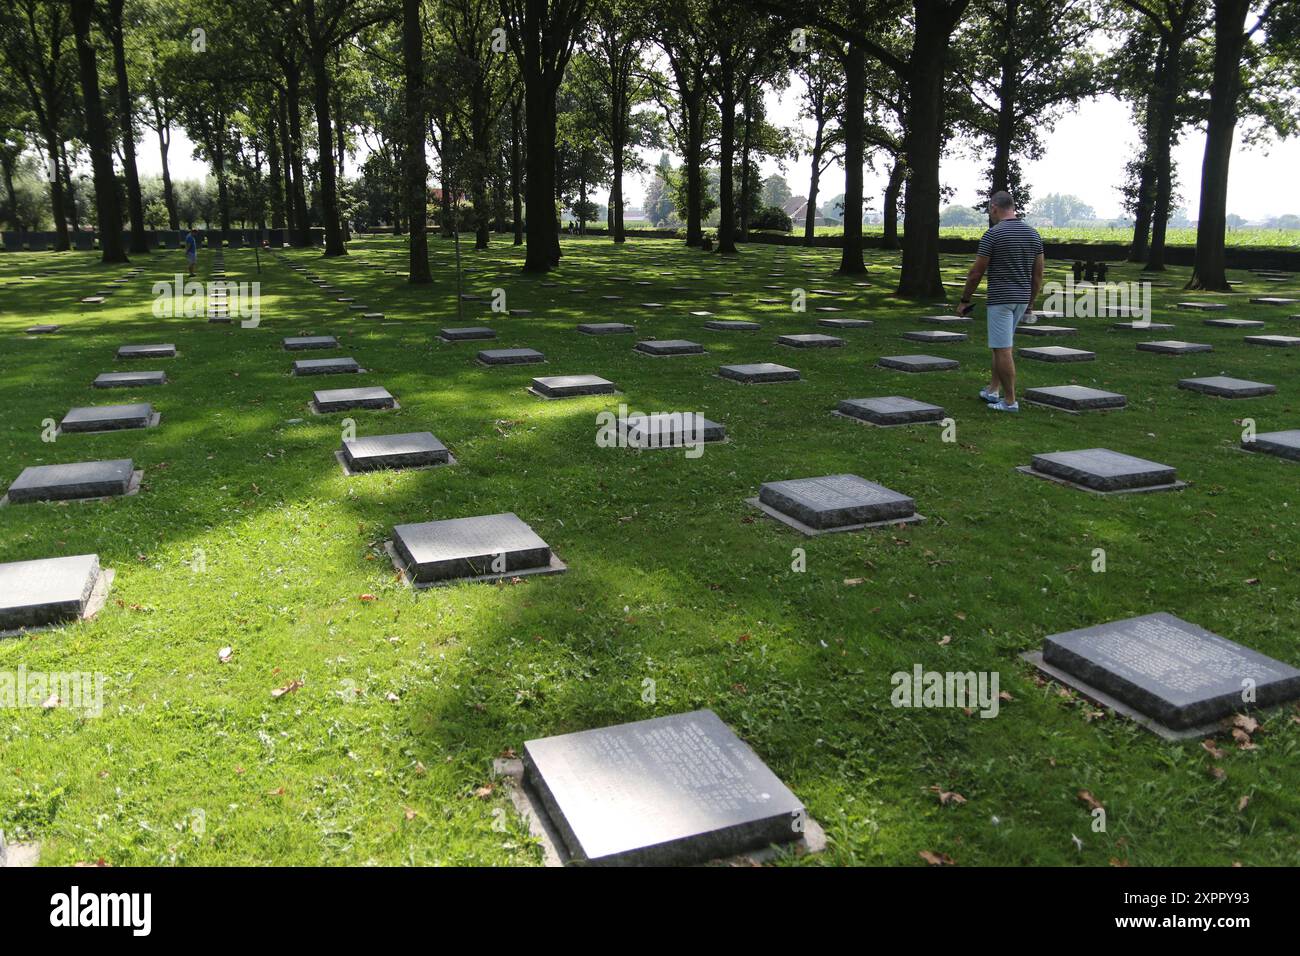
(1037, 286)
(973, 279)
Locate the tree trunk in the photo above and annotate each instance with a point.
(218, 150)
(922, 145)
(1169, 90)
(162, 127)
(746, 184)
(1209, 268)
(126, 107)
(277, 178)
(7, 161)
(416, 166)
(301, 237)
(726, 156)
(897, 173)
(107, 213)
(58, 198)
(616, 187)
(693, 110)
(1008, 94)
(543, 230)
(814, 181)
(329, 190)
(855, 69)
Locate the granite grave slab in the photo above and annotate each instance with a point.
(77, 480)
(1074, 398)
(1174, 347)
(330, 366)
(325, 401)
(129, 379)
(1276, 341)
(1046, 330)
(104, 418)
(1225, 386)
(383, 452)
(304, 343)
(49, 591)
(467, 333)
(606, 328)
(481, 548)
(1056, 353)
(146, 351)
(732, 325)
(1104, 471)
(1235, 323)
(833, 503)
(936, 336)
(810, 340)
(671, 430)
(511, 357)
(759, 372)
(845, 323)
(890, 410)
(917, 363)
(1284, 444)
(569, 386)
(668, 347)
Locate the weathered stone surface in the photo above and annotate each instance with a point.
(1201, 306)
(845, 323)
(46, 590)
(1104, 470)
(303, 343)
(731, 325)
(835, 501)
(146, 351)
(917, 363)
(343, 399)
(1174, 347)
(1141, 326)
(510, 357)
(1235, 323)
(98, 418)
(1046, 330)
(669, 347)
(936, 336)
(606, 328)
(1075, 398)
(565, 386)
(82, 479)
(671, 430)
(1225, 386)
(469, 547)
(330, 366)
(946, 319)
(1284, 444)
(759, 372)
(1169, 670)
(407, 450)
(891, 410)
(467, 333)
(1056, 353)
(810, 340)
(1277, 341)
(129, 379)
(668, 791)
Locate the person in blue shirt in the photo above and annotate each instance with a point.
(191, 250)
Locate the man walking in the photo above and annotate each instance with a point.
(1012, 255)
(191, 250)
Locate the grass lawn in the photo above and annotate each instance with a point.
(247, 534)
(1286, 239)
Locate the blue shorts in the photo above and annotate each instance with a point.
(1003, 320)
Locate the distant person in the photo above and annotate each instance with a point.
(1011, 252)
(192, 250)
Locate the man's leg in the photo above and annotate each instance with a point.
(1004, 370)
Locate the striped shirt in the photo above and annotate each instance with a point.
(1011, 247)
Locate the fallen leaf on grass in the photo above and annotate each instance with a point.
(945, 640)
(1089, 800)
(1248, 724)
(366, 597)
(936, 859)
(225, 654)
(484, 792)
(1212, 748)
(1243, 803)
(410, 813)
(947, 796)
(288, 688)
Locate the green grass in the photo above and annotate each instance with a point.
(672, 576)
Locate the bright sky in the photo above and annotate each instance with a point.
(1085, 156)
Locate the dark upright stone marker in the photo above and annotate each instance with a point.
(1226, 387)
(1100, 469)
(47, 590)
(487, 546)
(833, 503)
(1168, 671)
(668, 791)
(83, 479)
(891, 410)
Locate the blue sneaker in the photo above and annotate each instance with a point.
(990, 397)
(1001, 406)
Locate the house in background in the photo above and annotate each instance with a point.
(796, 207)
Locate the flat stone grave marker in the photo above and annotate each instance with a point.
(612, 298)
(828, 308)
(1046, 330)
(1169, 675)
(519, 311)
(1056, 353)
(568, 386)
(732, 325)
(303, 343)
(146, 351)
(129, 379)
(845, 323)
(49, 591)
(917, 363)
(105, 418)
(1226, 387)
(1173, 347)
(510, 357)
(1104, 471)
(890, 410)
(373, 316)
(605, 328)
(1201, 306)
(810, 340)
(1074, 398)
(42, 329)
(669, 347)
(467, 333)
(1122, 312)
(946, 319)
(78, 480)
(770, 301)
(482, 548)
(94, 299)
(1284, 444)
(652, 305)
(329, 366)
(381, 452)
(937, 336)
(833, 503)
(1045, 314)
(1273, 300)
(677, 790)
(671, 430)
(1235, 323)
(345, 298)
(1277, 341)
(325, 401)
(1141, 326)
(759, 372)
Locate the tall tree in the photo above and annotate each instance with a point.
(113, 24)
(686, 103)
(416, 172)
(108, 216)
(823, 106)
